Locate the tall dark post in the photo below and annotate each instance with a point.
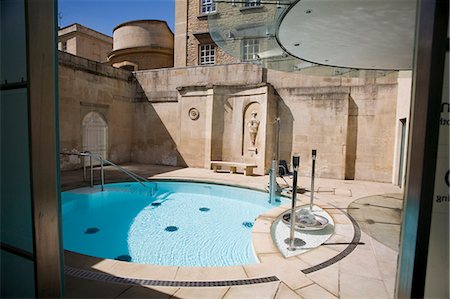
(314, 154)
(295, 164)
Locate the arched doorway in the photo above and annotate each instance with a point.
(95, 135)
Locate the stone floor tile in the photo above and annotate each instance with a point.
(256, 291)
(148, 292)
(207, 293)
(86, 262)
(389, 275)
(284, 292)
(273, 213)
(314, 291)
(355, 287)
(318, 255)
(346, 230)
(134, 270)
(210, 273)
(262, 225)
(86, 288)
(383, 252)
(327, 278)
(340, 218)
(343, 192)
(337, 242)
(263, 243)
(277, 259)
(362, 262)
(289, 270)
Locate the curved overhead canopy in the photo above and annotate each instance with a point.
(363, 34)
(318, 37)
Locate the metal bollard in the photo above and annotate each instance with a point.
(295, 164)
(314, 154)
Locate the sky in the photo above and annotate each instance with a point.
(104, 15)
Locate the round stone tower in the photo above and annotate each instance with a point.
(142, 45)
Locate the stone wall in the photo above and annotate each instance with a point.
(86, 86)
(350, 121)
(360, 132)
(91, 48)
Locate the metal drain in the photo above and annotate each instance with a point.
(80, 273)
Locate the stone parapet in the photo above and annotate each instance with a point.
(93, 67)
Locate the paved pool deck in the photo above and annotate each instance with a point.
(353, 263)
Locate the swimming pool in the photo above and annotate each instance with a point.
(164, 223)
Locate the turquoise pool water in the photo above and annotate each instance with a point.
(165, 223)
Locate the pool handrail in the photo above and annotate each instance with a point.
(131, 174)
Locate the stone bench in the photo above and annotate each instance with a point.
(248, 168)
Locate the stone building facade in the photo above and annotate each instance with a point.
(191, 34)
(190, 114)
(85, 42)
(350, 121)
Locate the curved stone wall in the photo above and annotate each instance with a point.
(142, 45)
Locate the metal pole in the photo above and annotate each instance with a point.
(314, 154)
(295, 163)
(84, 168)
(92, 171)
(272, 182)
(102, 173)
(277, 140)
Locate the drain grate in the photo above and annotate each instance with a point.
(163, 283)
(352, 245)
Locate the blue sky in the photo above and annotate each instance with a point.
(104, 15)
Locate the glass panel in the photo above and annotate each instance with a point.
(232, 25)
(17, 277)
(16, 215)
(12, 35)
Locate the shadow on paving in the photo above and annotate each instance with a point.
(380, 217)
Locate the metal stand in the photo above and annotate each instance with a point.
(102, 174)
(273, 186)
(314, 154)
(92, 171)
(295, 164)
(273, 182)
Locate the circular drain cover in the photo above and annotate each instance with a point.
(171, 229)
(91, 230)
(247, 224)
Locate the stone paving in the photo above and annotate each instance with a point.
(368, 271)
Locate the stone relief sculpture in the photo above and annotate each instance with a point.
(253, 125)
(194, 114)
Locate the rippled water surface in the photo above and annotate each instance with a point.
(165, 223)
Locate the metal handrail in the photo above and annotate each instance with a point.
(131, 174)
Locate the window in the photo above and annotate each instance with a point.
(208, 6)
(250, 49)
(252, 3)
(207, 54)
(64, 46)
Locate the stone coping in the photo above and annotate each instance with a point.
(272, 263)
